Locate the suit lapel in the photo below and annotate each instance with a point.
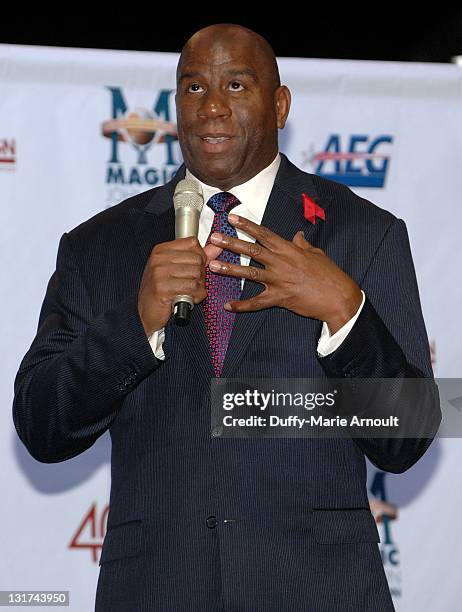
(156, 222)
(284, 216)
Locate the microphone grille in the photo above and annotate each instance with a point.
(188, 194)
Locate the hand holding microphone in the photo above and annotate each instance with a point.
(175, 271)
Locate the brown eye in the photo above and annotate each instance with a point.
(236, 86)
(194, 87)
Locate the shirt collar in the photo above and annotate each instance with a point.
(253, 194)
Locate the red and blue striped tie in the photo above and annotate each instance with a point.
(221, 289)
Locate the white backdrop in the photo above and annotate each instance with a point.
(392, 131)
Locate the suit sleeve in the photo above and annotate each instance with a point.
(79, 368)
(389, 340)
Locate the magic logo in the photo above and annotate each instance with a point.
(388, 548)
(362, 163)
(142, 130)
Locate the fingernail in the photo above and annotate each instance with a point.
(233, 218)
(215, 237)
(227, 306)
(214, 265)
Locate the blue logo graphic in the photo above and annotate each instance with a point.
(362, 164)
(140, 128)
(389, 550)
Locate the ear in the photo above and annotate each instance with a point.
(282, 102)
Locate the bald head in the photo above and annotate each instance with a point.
(229, 105)
(224, 34)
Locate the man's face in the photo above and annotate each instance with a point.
(228, 110)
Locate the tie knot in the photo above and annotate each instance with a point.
(223, 202)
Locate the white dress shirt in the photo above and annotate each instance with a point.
(253, 196)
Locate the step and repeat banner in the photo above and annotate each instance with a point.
(81, 130)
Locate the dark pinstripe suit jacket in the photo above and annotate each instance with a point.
(302, 536)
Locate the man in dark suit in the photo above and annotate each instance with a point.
(198, 522)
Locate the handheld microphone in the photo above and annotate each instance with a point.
(188, 202)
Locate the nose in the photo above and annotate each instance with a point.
(214, 105)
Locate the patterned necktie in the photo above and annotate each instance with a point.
(221, 289)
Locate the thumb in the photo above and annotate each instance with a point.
(299, 240)
(212, 252)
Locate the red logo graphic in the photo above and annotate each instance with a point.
(91, 531)
(7, 154)
(311, 210)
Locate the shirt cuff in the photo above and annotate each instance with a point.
(327, 344)
(156, 341)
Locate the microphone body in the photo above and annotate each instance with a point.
(188, 202)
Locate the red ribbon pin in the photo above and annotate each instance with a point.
(311, 210)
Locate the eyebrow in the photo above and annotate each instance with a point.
(242, 72)
(232, 72)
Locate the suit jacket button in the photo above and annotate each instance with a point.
(212, 522)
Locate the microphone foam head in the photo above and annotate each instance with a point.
(188, 194)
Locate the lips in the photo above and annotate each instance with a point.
(211, 140)
(215, 143)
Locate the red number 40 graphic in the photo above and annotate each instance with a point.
(91, 531)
